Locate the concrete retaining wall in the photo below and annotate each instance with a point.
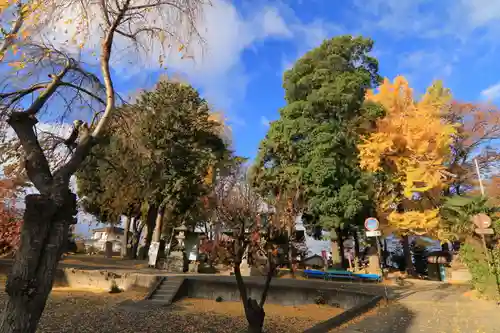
(76, 278)
(279, 293)
(98, 279)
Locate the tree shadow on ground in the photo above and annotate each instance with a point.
(147, 305)
(393, 318)
(439, 290)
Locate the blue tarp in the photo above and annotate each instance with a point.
(332, 274)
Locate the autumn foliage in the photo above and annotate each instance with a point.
(10, 219)
(478, 128)
(410, 145)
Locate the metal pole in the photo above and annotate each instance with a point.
(379, 257)
(479, 177)
(483, 240)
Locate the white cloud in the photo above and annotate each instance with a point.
(481, 12)
(400, 17)
(264, 121)
(216, 66)
(492, 92)
(274, 24)
(50, 136)
(307, 37)
(428, 65)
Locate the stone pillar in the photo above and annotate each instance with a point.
(108, 250)
(244, 266)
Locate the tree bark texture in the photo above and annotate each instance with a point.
(290, 251)
(29, 283)
(137, 227)
(159, 224)
(341, 238)
(150, 225)
(253, 312)
(126, 238)
(408, 257)
(357, 252)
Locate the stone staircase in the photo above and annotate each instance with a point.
(165, 291)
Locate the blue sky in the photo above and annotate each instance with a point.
(250, 44)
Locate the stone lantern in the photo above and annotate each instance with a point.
(177, 260)
(181, 237)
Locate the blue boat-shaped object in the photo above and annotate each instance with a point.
(334, 274)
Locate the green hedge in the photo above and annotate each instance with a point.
(484, 279)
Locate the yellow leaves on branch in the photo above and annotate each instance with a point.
(411, 144)
(411, 141)
(209, 177)
(417, 222)
(4, 4)
(224, 130)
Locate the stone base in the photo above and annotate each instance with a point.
(373, 265)
(193, 268)
(245, 269)
(460, 276)
(175, 262)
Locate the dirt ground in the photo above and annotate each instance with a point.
(311, 313)
(70, 310)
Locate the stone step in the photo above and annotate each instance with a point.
(3, 281)
(169, 287)
(160, 293)
(166, 291)
(159, 301)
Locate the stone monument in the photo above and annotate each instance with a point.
(176, 260)
(373, 262)
(108, 249)
(244, 266)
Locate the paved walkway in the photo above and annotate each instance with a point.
(433, 308)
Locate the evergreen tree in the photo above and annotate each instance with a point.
(311, 149)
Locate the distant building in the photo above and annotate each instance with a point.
(107, 234)
(314, 261)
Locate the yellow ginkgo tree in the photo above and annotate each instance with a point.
(18, 18)
(409, 147)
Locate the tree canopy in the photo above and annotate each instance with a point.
(161, 157)
(310, 151)
(410, 146)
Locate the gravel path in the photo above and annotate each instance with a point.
(435, 308)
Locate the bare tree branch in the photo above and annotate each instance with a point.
(11, 35)
(36, 163)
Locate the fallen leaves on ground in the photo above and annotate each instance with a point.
(90, 311)
(308, 313)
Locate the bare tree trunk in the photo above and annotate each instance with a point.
(150, 225)
(254, 312)
(44, 233)
(357, 252)
(159, 224)
(136, 237)
(385, 252)
(343, 261)
(336, 259)
(407, 253)
(290, 251)
(126, 237)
